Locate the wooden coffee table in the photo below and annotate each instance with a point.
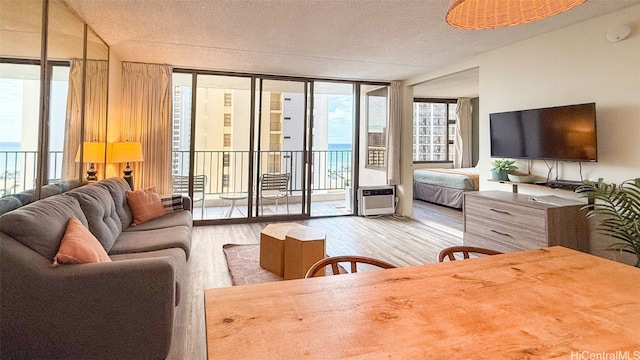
(289, 249)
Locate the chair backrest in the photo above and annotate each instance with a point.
(465, 250)
(352, 259)
(181, 185)
(278, 182)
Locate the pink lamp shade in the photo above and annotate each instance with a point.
(491, 14)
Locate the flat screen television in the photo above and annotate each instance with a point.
(565, 133)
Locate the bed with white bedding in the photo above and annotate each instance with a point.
(444, 186)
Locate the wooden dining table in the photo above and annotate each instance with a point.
(551, 303)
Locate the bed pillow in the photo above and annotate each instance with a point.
(78, 246)
(145, 205)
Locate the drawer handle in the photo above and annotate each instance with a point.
(501, 212)
(500, 233)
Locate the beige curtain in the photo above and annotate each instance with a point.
(95, 119)
(146, 117)
(395, 125)
(462, 157)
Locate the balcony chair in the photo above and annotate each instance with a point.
(274, 186)
(450, 252)
(181, 186)
(354, 260)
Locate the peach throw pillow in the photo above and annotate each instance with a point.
(79, 246)
(145, 205)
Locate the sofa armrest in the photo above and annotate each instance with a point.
(187, 204)
(121, 309)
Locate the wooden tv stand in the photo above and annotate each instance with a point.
(506, 221)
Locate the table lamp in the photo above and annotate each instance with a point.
(126, 152)
(92, 152)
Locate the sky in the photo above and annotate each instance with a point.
(340, 119)
(10, 110)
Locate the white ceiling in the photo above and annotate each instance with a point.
(343, 39)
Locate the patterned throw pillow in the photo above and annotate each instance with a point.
(145, 205)
(79, 246)
(171, 202)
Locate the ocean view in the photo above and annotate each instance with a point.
(10, 158)
(339, 157)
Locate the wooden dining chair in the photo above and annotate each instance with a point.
(354, 260)
(450, 252)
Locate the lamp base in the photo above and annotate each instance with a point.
(126, 175)
(91, 173)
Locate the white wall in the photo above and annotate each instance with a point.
(568, 66)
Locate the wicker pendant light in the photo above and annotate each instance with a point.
(491, 14)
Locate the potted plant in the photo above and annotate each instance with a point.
(501, 168)
(616, 209)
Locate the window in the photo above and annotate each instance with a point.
(376, 111)
(227, 140)
(434, 123)
(227, 119)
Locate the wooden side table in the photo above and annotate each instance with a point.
(303, 247)
(272, 246)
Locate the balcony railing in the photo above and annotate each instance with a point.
(18, 170)
(227, 171)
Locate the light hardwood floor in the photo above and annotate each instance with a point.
(400, 241)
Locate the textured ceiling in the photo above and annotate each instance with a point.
(345, 39)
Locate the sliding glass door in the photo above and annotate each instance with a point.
(332, 145)
(281, 143)
(217, 172)
(262, 147)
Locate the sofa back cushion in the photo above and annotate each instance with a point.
(8, 203)
(98, 207)
(41, 225)
(117, 187)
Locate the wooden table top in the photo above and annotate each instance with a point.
(538, 304)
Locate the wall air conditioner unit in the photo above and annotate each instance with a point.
(376, 200)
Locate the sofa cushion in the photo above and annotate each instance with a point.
(178, 218)
(41, 225)
(8, 203)
(149, 240)
(117, 187)
(145, 205)
(50, 190)
(27, 196)
(100, 211)
(78, 245)
(66, 185)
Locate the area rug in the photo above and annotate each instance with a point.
(243, 262)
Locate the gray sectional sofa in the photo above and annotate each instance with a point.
(123, 309)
